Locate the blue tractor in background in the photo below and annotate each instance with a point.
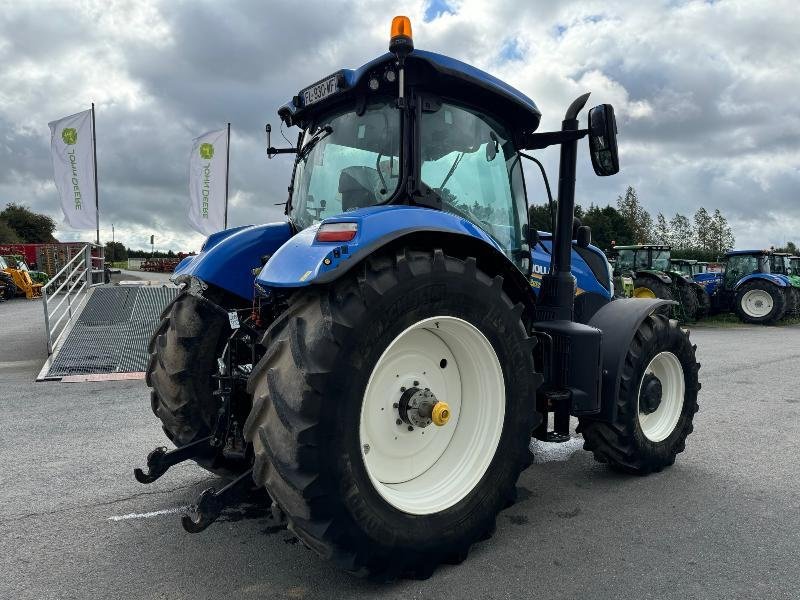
(378, 362)
(749, 287)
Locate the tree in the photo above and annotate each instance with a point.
(720, 235)
(636, 216)
(789, 248)
(662, 234)
(608, 226)
(7, 234)
(681, 235)
(30, 227)
(539, 217)
(702, 229)
(116, 251)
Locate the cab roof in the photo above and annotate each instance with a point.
(746, 252)
(438, 73)
(644, 247)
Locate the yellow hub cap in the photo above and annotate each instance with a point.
(643, 292)
(440, 414)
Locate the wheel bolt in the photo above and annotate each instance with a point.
(410, 428)
(395, 405)
(403, 389)
(416, 383)
(399, 421)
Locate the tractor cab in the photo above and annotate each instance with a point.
(452, 144)
(642, 257)
(684, 266)
(794, 263)
(741, 263)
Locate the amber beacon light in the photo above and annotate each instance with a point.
(401, 42)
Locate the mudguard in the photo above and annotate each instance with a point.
(619, 320)
(660, 275)
(779, 280)
(303, 260)
(227, 258)
(586, 279)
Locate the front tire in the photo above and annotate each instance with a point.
(760, 302)
(656, 403)
(358, 487)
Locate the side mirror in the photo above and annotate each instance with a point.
(603, 140)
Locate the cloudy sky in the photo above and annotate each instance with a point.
(705, 94)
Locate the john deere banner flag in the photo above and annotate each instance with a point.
(208, 181)
(73, 163)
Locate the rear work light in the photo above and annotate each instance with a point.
(337, 232)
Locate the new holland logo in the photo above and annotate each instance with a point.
(69, 135)
(207, 151)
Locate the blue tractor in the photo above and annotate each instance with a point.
(749, 287)
(378, 362)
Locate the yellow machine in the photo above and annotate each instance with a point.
(22, 280)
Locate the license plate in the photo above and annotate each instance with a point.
(320, 91)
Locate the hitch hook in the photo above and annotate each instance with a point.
(160, 460)
(211, 502)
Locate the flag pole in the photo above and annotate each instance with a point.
(96, 196)
(227, 168)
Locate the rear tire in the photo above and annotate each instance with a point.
(647, 286)
(688, 300)
(646, 438)
(183, 354)
(792, 302)
(312, 399)
(760, 302)
(703, 302)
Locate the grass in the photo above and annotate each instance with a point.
(118, 264)
(722, 320)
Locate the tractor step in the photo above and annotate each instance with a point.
(160, 460)
(211, 503)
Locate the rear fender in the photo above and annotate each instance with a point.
(660, 275)
(303, 260)
(228, 258)
(771, 278)
(619, 320)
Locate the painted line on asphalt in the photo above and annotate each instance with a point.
(544, 452)
(147, 515)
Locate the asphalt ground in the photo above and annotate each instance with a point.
(724, 522)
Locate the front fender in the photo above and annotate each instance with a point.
(303, 260)
(774, 279)
(228, 257)
(619, 320)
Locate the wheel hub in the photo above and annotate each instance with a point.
(650, 399)
(420, 407)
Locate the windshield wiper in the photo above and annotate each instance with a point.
(320, 135)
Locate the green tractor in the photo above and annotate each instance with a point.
(653, 277)
(794, 265)
(780, 263)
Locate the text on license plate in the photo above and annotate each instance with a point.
(319, 91)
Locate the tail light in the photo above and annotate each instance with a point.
(337, 232)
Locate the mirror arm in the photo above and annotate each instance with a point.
(537, 141)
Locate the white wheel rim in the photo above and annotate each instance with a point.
(659, 424)
(757, 303)
(430, 469)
